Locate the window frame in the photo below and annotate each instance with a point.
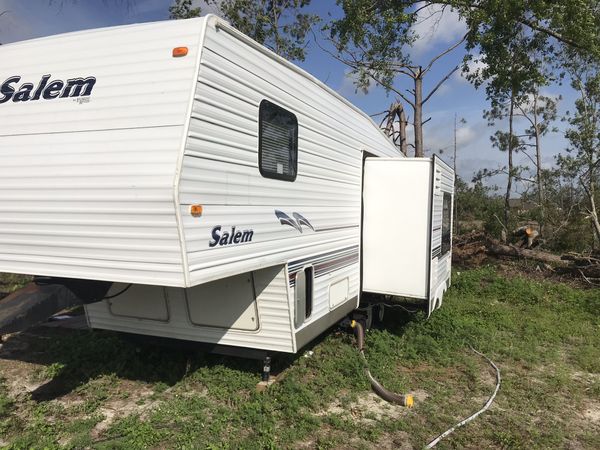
(273, 175)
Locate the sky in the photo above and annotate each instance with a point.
(27, 19)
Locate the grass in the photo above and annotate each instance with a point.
(12, 282)
(100, 390)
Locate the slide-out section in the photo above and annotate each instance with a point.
(407, 226)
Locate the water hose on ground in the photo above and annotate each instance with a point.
(404, 400)
(485, 407)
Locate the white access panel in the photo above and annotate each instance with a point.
(396, 224)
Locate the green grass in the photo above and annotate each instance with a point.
(544, 336)
(12, 282)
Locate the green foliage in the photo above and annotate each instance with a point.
(376, 35)
(504, 33)
(12, 282)
(478, 202)
(280, 25)
(582, 162)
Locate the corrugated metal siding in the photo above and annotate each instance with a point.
(274, 331)
(86, 188)
(90, 205)
(220, 168)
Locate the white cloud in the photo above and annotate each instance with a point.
(437, 26)
(465, 135)
(347, 86)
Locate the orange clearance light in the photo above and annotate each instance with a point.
(196, 210)
(180, 51)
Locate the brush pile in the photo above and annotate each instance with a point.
(473, 248)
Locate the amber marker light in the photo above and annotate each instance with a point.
(178, 52)
(196, 210)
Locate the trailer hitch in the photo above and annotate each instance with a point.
(44, 297)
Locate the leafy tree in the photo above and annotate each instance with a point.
(477, 203)
(373, 36)
(539, 111)
(278, 24)
(583, 159)
(372, 40)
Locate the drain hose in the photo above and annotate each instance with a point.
(404, 400)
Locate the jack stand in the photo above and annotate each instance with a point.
(266, 369)
(266, 375)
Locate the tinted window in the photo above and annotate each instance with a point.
(446, 222)
(277, 142)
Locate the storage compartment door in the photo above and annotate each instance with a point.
(396, 226)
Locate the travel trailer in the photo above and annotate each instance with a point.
(183, 181)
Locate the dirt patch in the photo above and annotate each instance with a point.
(396, 441)
(591, 413)
(369, 408)
(117, 408)
(17, 374)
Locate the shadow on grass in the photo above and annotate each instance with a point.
(74, 357)
(71, 357)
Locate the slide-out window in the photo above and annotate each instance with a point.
(277, 142)
(446, 222)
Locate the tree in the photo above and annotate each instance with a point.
(539, 111)
(583, 159)
(476, 203)
(394, 124)
(372, 41)
(373, 36)
(278, 24)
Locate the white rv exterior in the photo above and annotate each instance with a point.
(121, 162)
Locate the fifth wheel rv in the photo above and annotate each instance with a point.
(181, 180)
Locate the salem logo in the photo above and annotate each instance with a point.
(235, 237)
(45, 89)
(296, 222)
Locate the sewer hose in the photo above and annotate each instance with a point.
(404, 400)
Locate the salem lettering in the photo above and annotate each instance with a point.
(220, 237)
(45, 89)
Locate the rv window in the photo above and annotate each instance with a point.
(277, 142)
(446, 222)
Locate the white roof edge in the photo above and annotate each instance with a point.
(93, 30)
(223, 24)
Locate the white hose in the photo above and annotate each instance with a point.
(485, 407)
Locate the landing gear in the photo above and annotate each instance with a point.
(266, 373)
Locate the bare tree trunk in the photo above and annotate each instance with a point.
(593, 211)
(538, 157)
(455, 212)
(396, 113)
(403, 141)
(418, 119)
(510, 160)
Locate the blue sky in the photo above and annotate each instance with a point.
(26, 19)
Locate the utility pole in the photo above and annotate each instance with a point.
(455, 221)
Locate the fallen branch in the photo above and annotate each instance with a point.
(476, 246)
